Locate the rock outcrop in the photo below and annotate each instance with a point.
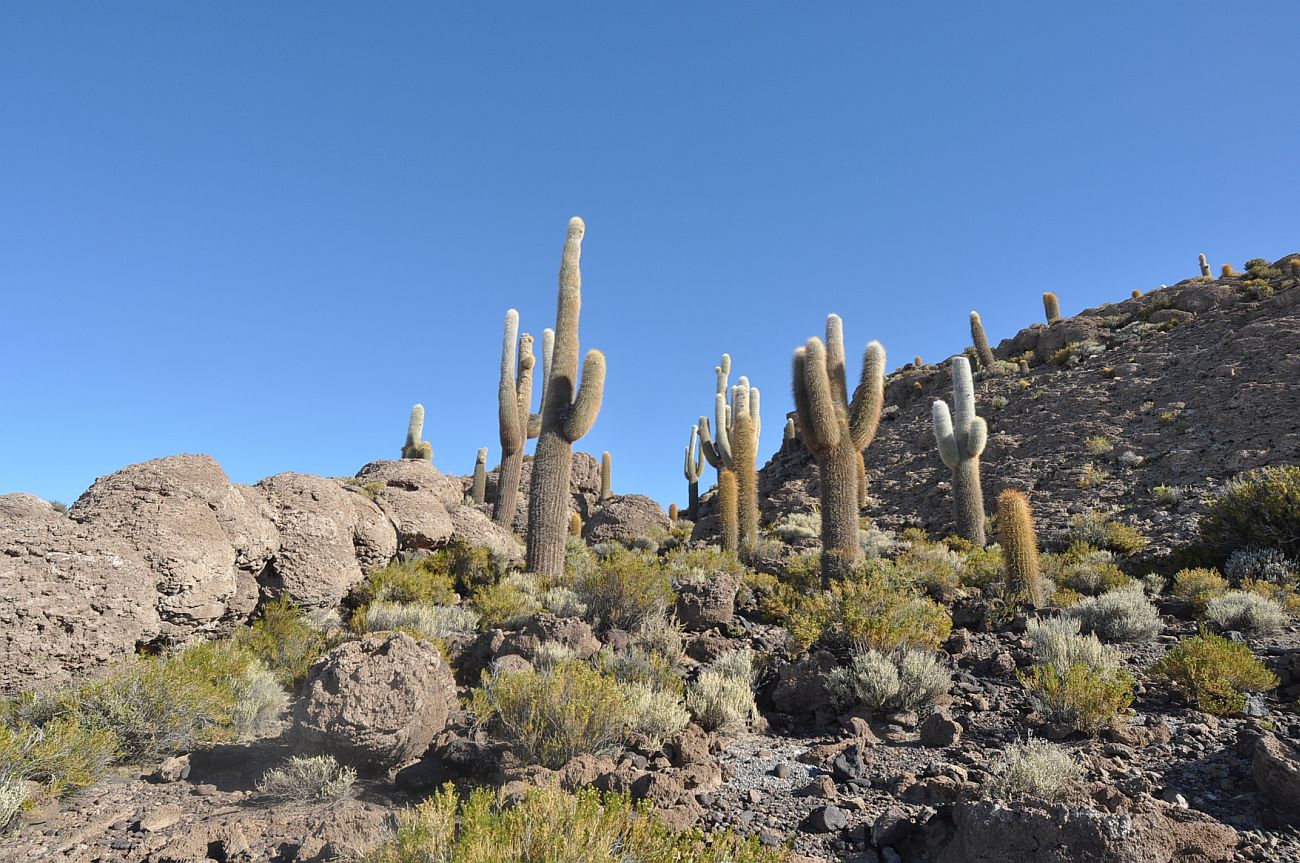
(625, 517)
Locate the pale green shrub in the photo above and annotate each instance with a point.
(1036, 770)
(1245, 612)
(308, 780)
(1124, 614)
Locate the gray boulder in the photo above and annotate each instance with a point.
(625, 517)
(415, 497)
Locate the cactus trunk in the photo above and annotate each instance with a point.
(693, 501)
(606, 467)
(968, 500)
(727, 510)
(838, 474)
(479, 493)
(982, 349)
(507, 502)
(1052, 307)
(961, 436)
(1019, 548)
(744, 456)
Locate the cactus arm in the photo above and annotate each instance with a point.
(507, 395)
(869, 397)
(963, 399)
(582, 414)
(799, 378)
(722, 419)
(707, 447)
(943, 434)
(822, 429)
(835, 359)
(976, 438)
(755, 404)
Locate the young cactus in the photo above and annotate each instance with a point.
(672, 513)
(1019, 548)
(514, 401)
(568, 412)
(693, 468)
(575, 524)
(479, 492)
(835, 431)
(735, 452)
(606, 466)
(960, 445)
(982, 349)
(1052, 306)
(414, 448)
(1206, 272)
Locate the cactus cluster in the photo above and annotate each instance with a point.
(836, 431)
(414, 448)
(961, 436)
(733, 451)
(514, 405)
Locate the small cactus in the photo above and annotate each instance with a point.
(479, 493)
(916, 362)
(575, 524)
(606, 467)
(692, 470)
(836, 430)
(1024, 366)
(1227, 272)
(568, 412)
(1136, 293)
(1019, 548)
(960, 445)
(1052, 306)
(790, 433)
(982, 349)
(1205, 266)
(672, 513)
(414, 448)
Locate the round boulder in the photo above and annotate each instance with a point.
(625, 517)
(377, 702)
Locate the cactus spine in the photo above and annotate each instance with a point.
(1205, 266)
(517, 424)
(1052, 307)
(606, 466)
(960, 445)
(982, 349)
(1019, 548)
(692, 470)
(479, 493)
(836, 430)
(568, 412)
(414, 447)
(735, 452)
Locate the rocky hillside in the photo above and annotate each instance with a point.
(1180, 388)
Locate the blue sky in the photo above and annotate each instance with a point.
(263, 231)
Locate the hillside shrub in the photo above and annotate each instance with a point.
(56, 750)
(1085, 570)
(1260, 508)
(1198, 586)
(13, 796)
(509, 603)
(905, 679)
(1118, 615)
(623, 589)
(426, 580)
(434, 623)
(1097, 530)
(308, 780)
(1261, 564)
(1245, 612)
(1035, 770)
(722, 697)
(1081, 697)
(1214, 673)
(284, 641)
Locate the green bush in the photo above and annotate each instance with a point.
(57, 750)
(1214, 673)
(427, 580)
(308, 780)
(550, 826)
(1081, 697)
(508, 603)
(623, 589)
(283, 640)
(722, 697)
(556, 713)
(1084, 570)
(1098, 531)
(1260, 508)
(434, 623)
(1198, 586)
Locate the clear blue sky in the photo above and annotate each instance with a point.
(263, 230)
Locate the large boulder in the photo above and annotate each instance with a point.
(707, 601)
(415, 496)
(473, 527)
(330, 537)
(73, 597)
(205, 538)
(625, 517)
(1276, 765)
(377, 702)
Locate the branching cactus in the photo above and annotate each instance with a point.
(693, 468)
(1019, 548)
(415, 448)
(961, 440)
(568, 412)
(514, 403)
(479, 489)
(835, 431)
(982, 349)
(606, 467)
(735, 452)
(1206, 272)
(1052, 306)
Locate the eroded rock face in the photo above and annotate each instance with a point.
(472, 526)
(415, 496)
(377, 702)
(1276, 766)
(706, 603)
(73, 597)
(330, 538)
(625, 517)
(205, 538)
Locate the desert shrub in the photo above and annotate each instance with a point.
(661, 636)
(555, 713)
(1057, 642)
(981, 567)
(1246, 612)
(1118, 615)
(260, 702)
(426, 580)
(1091, 476)
(935, 569)
(54, 749)
(1214, 673)
(1283, 594)
(1198, 586)
(700, 564)
(1098, 445)
(636, 666)
(508, 603)
(796, 526)
(1083, 697)
(563, 602)
(1261, 564)
(1098, 531)
(722, 697)
(1168, 495)
(308, 780)
(430, 622)
(1085, 570)
(623, 590)
(1035, 770)
(1260, 508)
(284, 640)
(905, 679)
(550, 825)
(657, 714)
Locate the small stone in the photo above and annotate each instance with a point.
(940, 730)
(160, 818)
(827, 819)
(783, 770)
(823, 786)
(173, 769)
(754, 795)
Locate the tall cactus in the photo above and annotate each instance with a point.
(1206, 272)
(606, 468)
(1052, 306)
(727, 508)
(835, 430)
(982, 349)
(734, 452)
(479, 489)
(514, 403)
(1019, 548)
(691, 471)
(568, 412)
(960, 446)
(414, 448)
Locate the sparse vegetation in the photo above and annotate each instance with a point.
(283, 640)
(1198, 586)
(722, 697)
(1245, 612)
(1124, 614)
(1036, 770)
(1097, 530)
(1259, 509)
(308, 780)
(1214, 673)
(905, 679)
